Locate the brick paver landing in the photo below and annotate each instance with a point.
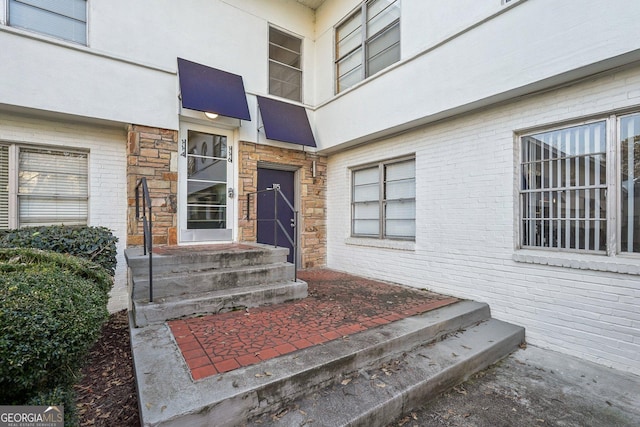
(339, 304)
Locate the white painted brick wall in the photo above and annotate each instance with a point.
(107, 175)
(465, 174)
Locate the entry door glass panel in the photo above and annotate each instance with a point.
(206, 181)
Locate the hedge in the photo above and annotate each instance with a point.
(52, 308)
(95, 244)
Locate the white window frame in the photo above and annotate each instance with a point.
(270, 61)
(612, 187)
(14, 196)
(381, 200)
(4, 7)
(363, 45)
(5, 19)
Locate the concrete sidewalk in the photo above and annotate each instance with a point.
(536, 387)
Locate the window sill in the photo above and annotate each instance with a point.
(401, 245)
(618, 264)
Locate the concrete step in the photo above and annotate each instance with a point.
(168, 396)
(193, 259)
(169, 284)
(163, 309)
(379, 395)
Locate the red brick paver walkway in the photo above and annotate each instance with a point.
(339, 304)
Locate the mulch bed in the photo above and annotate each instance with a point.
(106, 393)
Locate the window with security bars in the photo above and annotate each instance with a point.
(383, 200)
(575, 195)
(63, 19)
(367, 41)
(630, 183)
(47, 187)
(4, 187)
(285, 65)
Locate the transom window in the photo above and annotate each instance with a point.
(63, 19)
(367, 41)
(41, 186)
(285, 65)
(568, 196)
(384, 200)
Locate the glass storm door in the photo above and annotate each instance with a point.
(205, 174)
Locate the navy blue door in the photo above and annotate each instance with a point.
(266, 202)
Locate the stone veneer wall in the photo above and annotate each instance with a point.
(312, 209)
(152, 153)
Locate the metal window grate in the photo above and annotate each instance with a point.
(563, 188)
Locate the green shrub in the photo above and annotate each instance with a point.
(96, 244)
(61, 395)
(52, 308)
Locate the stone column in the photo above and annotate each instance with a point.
(153, 153)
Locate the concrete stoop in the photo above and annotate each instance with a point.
(190, 281)
(369, 378)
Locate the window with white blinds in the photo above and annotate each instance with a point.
(575, 195)
(4, 187)
(52, 187)
(383, 200)
(43, 187)
(63, 19)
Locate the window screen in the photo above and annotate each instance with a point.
(285, 68)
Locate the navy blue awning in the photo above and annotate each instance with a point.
(211, 90)
(285, 122)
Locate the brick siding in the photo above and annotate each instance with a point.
(466, 200)
(312, 209)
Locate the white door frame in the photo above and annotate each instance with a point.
(186, 235)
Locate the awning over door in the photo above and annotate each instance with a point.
(211, 90)
(285, 122)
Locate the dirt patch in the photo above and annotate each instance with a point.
(106, 394)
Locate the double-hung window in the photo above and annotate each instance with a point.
(42, 186)
(383, 200)
(580, 187)
(367, 41)
(285, 65)
(63, 19)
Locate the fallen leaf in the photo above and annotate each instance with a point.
(460, 390)
(381, 385)
(346, 381)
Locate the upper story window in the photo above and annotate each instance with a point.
(575, 195)
(383, 200)
(63, 19)
(42, 186)
(367, 41)
(285, 65)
